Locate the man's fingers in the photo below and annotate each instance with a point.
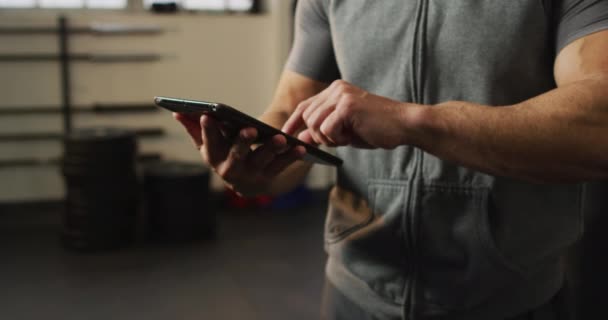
(307, 137)
(242, 145)
(295, 121)
(215, 148)
(283, 161)
(333, 128)
(233, 166)
(323, 100)
(316, 119)
(264, 154)
(192, 126)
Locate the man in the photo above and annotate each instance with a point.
(464, 126)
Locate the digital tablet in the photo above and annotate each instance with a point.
(236, 120)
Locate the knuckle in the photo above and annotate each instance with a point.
(307, 112)
(348, 99)
(346, 105)
(342, 86)
(222, 171)
(309, 119)
(309, 123)
(339, 83)
(316, 121)
(302, 105)
(299, 106)
(230, 177)
(326, 129)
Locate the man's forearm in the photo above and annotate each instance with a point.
(560, 136)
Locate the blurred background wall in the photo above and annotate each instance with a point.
(186, 255)
(232, 58)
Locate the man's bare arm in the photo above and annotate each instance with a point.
(291, 90)
(559, 136)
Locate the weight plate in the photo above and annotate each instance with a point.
(176, 197)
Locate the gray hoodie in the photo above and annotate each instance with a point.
(410, 235)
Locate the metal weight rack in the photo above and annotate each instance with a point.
(65, 58)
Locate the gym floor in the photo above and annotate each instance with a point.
(263, 265)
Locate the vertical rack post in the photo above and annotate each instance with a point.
(64, 60)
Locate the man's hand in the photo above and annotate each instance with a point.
(344, 114)
(245, 169)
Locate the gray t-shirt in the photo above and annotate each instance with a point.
(313, 54)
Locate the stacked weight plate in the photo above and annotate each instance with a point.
(177, 200)
(102, 189)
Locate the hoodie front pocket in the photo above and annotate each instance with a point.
(346, 214)
(365, 236)
(460, 265)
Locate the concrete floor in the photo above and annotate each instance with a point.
(264, 265)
